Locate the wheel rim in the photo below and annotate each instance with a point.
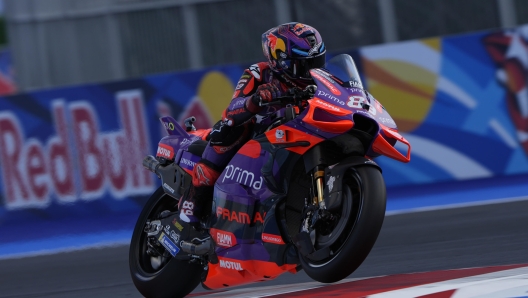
(348, 217)
(148, 264)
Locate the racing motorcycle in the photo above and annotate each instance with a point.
(303, 194)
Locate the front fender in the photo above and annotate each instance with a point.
(334, 174)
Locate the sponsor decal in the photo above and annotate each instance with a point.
(238, 103)
(328, 85)
(378, 106)
(330, 96)
(235, 112)
(165, 151)
(365, 113)
(223, 238)
(245, 76)
(356, 90)
(177, 224)
(279, 134)
(231, 265)
(275, 44)
(325, 75)
(186, 141)
(187, 208)
(355, 83)
(241, 84)
(187, 162)
(270, 238)
(174, 236)
(314, 49)
(359, 102)
(330, 183)
(37, 172)
(168, 125)
(385, 120)
(168, 244)
(167, 187)
(299, 29)
(255, 71)
(327, 105)
(242, 176)
(238, 216)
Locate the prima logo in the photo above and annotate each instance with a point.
(242, 176)
(330, 96)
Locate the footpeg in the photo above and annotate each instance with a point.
(205, 247)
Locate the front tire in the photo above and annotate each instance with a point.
(160, 276)
(360, 221)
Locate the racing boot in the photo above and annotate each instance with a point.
(195, 207)
(194, 239)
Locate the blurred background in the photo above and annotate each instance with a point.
(56, 42)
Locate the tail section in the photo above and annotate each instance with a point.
(172, 127)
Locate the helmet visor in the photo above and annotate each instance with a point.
(300, 67)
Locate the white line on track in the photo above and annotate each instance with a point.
(457, 205)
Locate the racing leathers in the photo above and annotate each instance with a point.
(228, 135)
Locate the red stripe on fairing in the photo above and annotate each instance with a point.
(365, 287)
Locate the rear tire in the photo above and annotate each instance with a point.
(364, 202)
(173, 278)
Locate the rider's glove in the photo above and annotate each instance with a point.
(268, 92)
(265, 93)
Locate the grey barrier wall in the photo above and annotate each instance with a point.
(64, 42)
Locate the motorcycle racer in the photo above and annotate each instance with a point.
(291, 50)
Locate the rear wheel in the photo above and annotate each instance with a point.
(355, 228)
(154, 271)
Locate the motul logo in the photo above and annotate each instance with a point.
(231, 265)
(165, 151)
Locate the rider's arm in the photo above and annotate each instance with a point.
(242, 107)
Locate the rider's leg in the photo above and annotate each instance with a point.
(223, 144)
(199, 196)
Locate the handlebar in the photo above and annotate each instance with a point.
(294, 95)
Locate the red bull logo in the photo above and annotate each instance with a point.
(275, 44)
(299, 29)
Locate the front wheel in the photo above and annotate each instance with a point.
(355, 230)
(154, 272)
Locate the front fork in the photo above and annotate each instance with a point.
(318, 174)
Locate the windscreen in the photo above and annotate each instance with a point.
(343, 67)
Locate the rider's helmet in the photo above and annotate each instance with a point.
(292, 49)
